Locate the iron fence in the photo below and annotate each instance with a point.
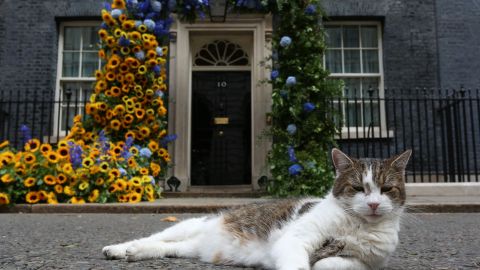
(441, 126)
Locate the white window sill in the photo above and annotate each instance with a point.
(354, 133)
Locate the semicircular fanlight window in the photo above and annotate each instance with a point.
(221, 53)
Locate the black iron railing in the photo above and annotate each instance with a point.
(441, 126)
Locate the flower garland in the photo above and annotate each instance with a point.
(118, 153)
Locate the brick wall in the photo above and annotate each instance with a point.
(409, 41)
(459, 42)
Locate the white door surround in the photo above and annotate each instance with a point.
(253, 33)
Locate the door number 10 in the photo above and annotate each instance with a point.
(222, 84)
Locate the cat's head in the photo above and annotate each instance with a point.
(370, 188)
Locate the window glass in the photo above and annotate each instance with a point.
(333, 36)
(351, 37)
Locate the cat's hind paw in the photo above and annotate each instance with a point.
(114, 252)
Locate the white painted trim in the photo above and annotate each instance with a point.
(257, 25)
(443, 189)
(60, 79)
(380, 74)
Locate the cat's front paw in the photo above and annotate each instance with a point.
(114, 252)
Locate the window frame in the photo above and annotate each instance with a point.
(60, 79)
(360, 132)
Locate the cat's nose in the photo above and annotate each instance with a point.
(373, 206)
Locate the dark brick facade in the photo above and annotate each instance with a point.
(29, 40)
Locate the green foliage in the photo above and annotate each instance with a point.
(314, 136)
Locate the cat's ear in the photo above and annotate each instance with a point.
(340, 160)
(400, 161)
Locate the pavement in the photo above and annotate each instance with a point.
(422, 204)
(74, 241)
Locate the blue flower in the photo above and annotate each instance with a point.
(157, 69)
(129, 142)
(144, 6)
(107, 6)
(291, 129)
(152, 180)
(291, 80)
(168, 138)
(285, 41)
(274, 74)
(151, 16)
(308, 107)
(156, 6)
(138, 23)
(159, 51)
(291, 154)
(145, 152)
(116, 13)
(149, 24)
(311, 9)
(76, 156)
(295, 169)
(122, 171)
(124, 42)
(140, 55)
(103, 25)
(132, 3)
(159, 93)
(26, 133)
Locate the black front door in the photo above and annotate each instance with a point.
(221, 128)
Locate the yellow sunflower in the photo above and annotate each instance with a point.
(69, 191)
(52, 157)
(52, 198)
(32, 197)
(122, 198)
(29, 158)
(61, 178)
(144, 171)
(136, 181)
(134, 197)
(49, 180)
(83, 185)
(29, 182)
(87, 162)
(67, 168)
(104, 166)
(77, 200)
(94, 196)
(63, 152)
(149, 189)
(7, 178)
(162, 152)
(59, 189)
(32, 145)
(100, 181)
(4, 144)
(121, 184)
(115, 124)
(4, 198)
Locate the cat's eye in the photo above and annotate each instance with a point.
(358, 188)
(386, 189)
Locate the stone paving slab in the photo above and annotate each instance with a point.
(74, 241)
(430, 204)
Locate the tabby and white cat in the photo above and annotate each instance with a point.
(354, 227)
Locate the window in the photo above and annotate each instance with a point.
(77, 61)
(354, 54)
